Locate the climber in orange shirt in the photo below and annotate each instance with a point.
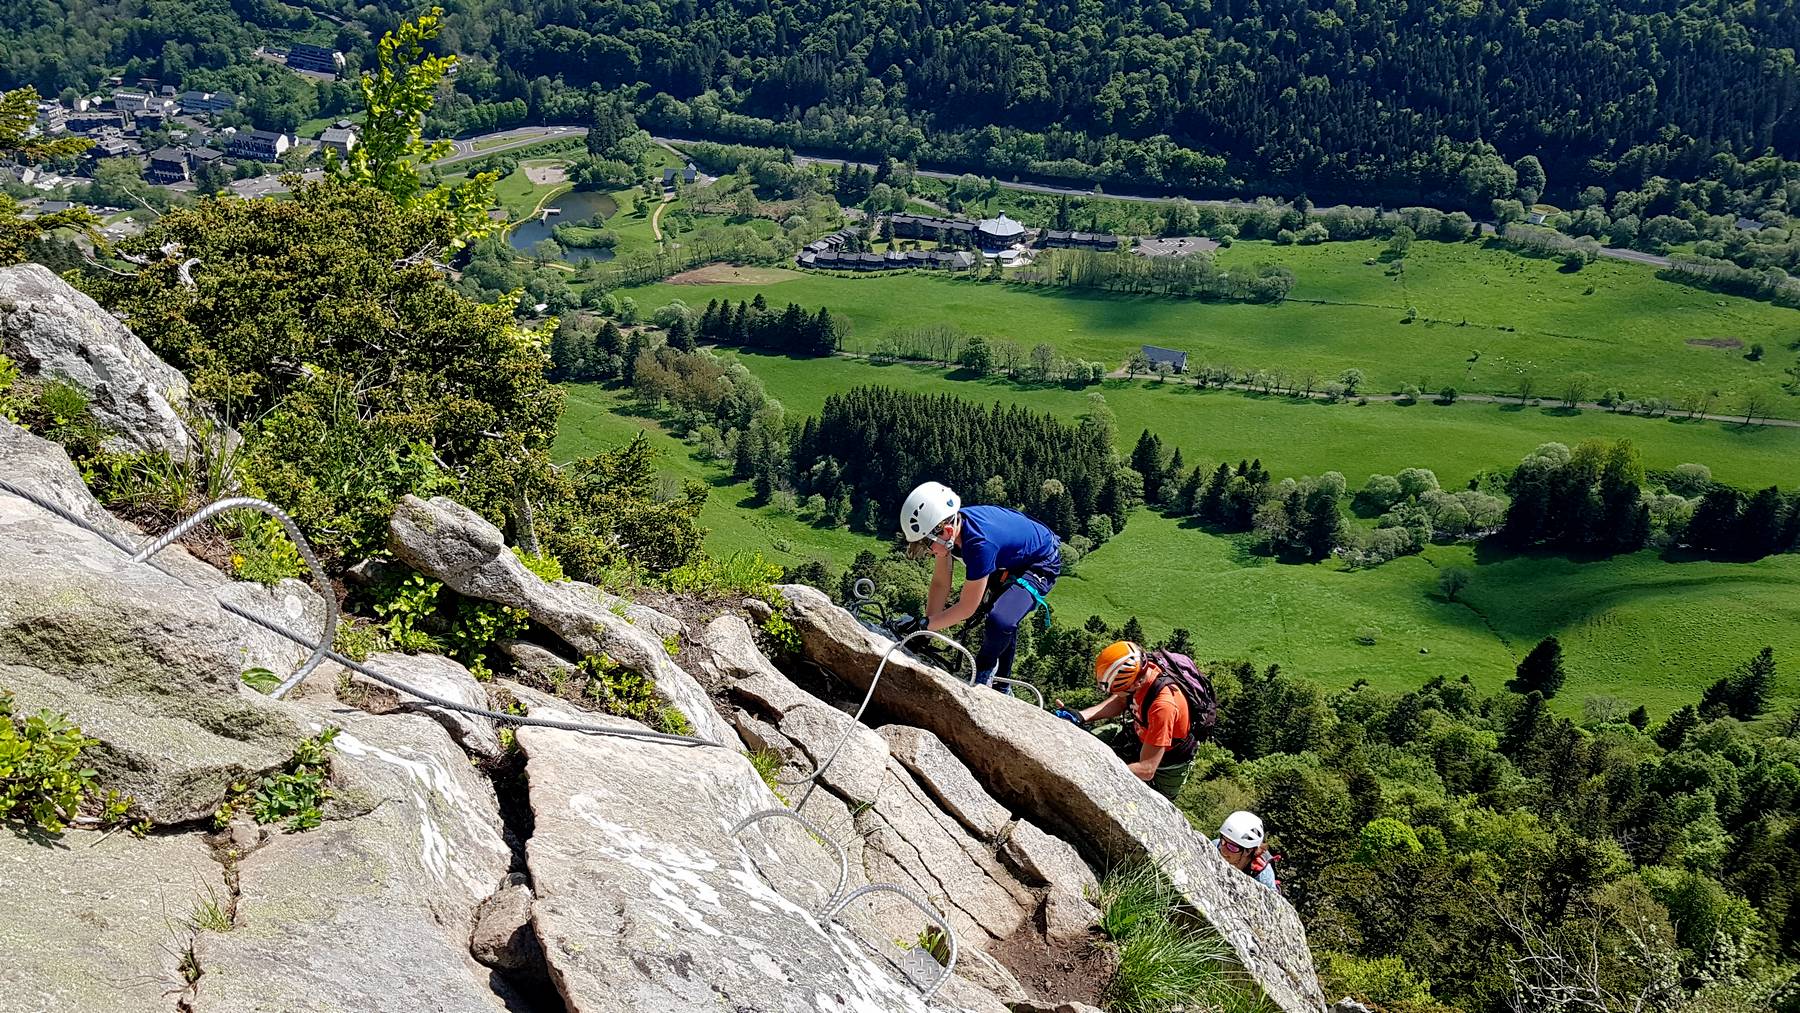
(1167, 703)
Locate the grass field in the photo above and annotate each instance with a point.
(1524, 315)
(1297, 437)
(1636, 627)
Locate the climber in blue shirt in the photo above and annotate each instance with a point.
(1009, 560)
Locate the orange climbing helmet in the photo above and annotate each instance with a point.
(1118, 666)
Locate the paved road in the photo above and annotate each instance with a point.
(502, 141)
(463, 150)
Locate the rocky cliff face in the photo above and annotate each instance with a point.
(457, 870)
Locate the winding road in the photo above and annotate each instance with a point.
(502, 141)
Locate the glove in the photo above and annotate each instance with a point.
(1071, 716)
(908, 625)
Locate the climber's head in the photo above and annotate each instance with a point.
(928, 517)
(1239, 837)
(1119, 667)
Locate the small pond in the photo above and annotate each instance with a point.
(574, 206)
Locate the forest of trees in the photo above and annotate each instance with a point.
(1450, 849)
(1384, 101)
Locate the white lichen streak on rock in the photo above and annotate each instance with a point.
(668, 869)
(435, 853)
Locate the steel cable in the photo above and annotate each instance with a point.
(321, 651)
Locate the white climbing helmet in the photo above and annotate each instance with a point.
(926, 507)
(1242, 829)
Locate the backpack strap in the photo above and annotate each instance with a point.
(1182, 749)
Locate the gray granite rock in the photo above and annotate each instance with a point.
(449, 542)
(373, 909)
(100, 924)
(442, 677)
(1047, 861)
(688, 916)
(947, 779)
(1047, 769)
(502, 937)
(54, 331)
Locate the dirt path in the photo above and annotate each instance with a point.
(656, 217)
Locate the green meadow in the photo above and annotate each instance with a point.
(1486, 317)
(1299, 437)
(1636, 627)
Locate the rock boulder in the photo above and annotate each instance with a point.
(1041, 766)
(101, 924)
(373, 909)
(688, 916)
(54, 331)
(449, 542)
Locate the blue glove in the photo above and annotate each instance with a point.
(1071, 716)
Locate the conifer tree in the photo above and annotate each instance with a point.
(1675, 730)
(1541, 671)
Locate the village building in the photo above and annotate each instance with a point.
(206, 102)
(935, 229)
(167, 165)
(314, 59)
(1103, 241)
(1176, 361)
(340, 137)
(996, 233)
(259, 145)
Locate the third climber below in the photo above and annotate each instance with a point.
(1010, 562)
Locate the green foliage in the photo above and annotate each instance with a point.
(406, 606)
(712, 579)
(1542, 669)
(614, 689)
(1163, 961)
(1384, 838)
(324, 292)
(1130, 896)
(262, 552)
(934, 941)
(1385, 982)
(42, 781)
(18, 117)
(260, 679)
(357, 640)
(391, 154)
(605, 510)
(767, 764)
(546, 567)
(476, 626)
(292, 795)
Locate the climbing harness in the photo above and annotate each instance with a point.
(321, 651)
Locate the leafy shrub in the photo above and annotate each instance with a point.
(614, 689)
(292, 795)
(41, 778)
(262, 552)
(357, 640)
(475, 628)
(370, 376)
(405, 607)
(1385, 982)
(545, 566)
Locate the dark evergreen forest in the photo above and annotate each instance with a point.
(1383, 100)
